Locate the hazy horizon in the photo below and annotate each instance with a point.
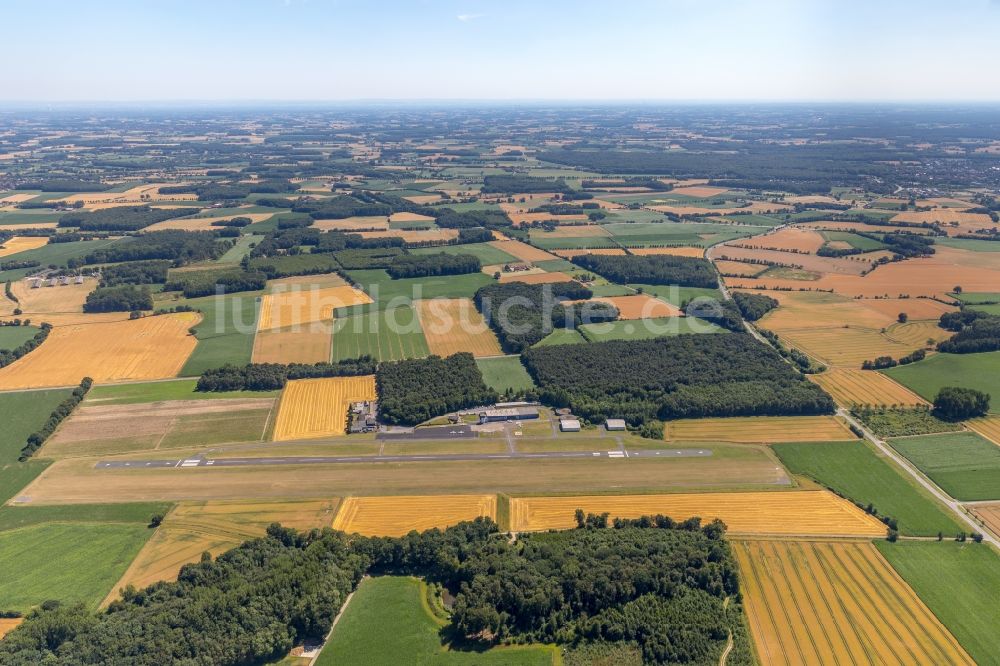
(446, 51)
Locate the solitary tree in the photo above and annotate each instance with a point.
(902, 317)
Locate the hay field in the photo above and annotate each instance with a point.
(792, 513)
(522, 251)
(989, 513)
(133, 195)
(298, 306)
(192, 528)
(699, 191)
(299, 344)
(410, 217)
(306, 281)
(22, 244)
(987, 426)
(204, 223)
(788, 238)
(953, 220)
(759, 429)
(146, 348)
(535, 278)
(454, 325)
(697, 252)
(739, 268)
(850, 386)
(845, 346)
(397, 515)
(569, 254)
(808, 262)
(836, 603)
(49, 300)
(353, 224)
(418, 236)
(639, 306)
(318, 407)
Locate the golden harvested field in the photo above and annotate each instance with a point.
(298, 305)
(147, 348)
(788, 238)
(847, 225)
(9, 624)
(132, 196)
(569, 254)
(453, 325)
(699, 191)
(353, 224)
(205, 223)
(31, 225)
(933, 276)
(191, 528)
(520, 219)
(299, 344)
(17, 198)
(846, 347)
(791, 513)
(989, 513)
(807, 309)
(850, 386)
(754, 207)
(306, 281)
(739, 268)
(675, 251)
(640, 306)
(396, 516)
(420, 236)
(422, 199)
(522, 251)
(759, 429)
(535, 278)
(809, 262)
(318, 407)
(836, 603)
(73, 318)
(47, 300)
(21, 244)
(963, 222)
(410, 217)
(988, 427)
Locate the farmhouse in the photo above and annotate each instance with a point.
(508, 414)
(614, 424)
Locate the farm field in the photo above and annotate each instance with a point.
(792, 513)
(988, 513)
(53, 253)
(392, 293)
(387, 335)
(487, 253)
(148, 348)
(646, 328)
(24, 413)
(787, 238)
(309, 343)
(927, 377)
(965, 465)
(455, 325)
(76, 481)
(74, 563)
(505, 373)
(850, 347)
(44, 300)
(397, 515)
(225, 333)
(864, 387)
(318, 407)
(522, 251)
(987, 426)
(816, 602)
(95, 429)
(22, 244)
(192, 528)
(854, 470)
(960, 584)
(759, 429)
(561, 336)
(640, 306)
(535, 278)
(388, 622)
(301, 305)
(179, 389)
(676, 295)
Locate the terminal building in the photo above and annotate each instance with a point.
(498, 414)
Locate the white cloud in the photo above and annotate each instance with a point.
(465, 18)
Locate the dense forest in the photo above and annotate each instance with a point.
(415, 390)
(521, 314)
(975, 332)
(273, 376)
(119, 218)
(754, 306)
(677, 377)
(136, 272)
(180, 247)
(652, 584)
(122, 298)
(651, 269)
(427, 265)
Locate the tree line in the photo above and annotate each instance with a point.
(660, 269)
(62, 410)
(273, 376)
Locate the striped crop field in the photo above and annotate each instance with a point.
(298, 306)
(318, 407)
(794, 513)
(836, 603)
(397, 515)
(987, 426)
(759, 429)
(850, 386)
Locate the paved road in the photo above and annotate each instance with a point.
(200, 461)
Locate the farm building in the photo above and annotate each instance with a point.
(364, 417)
(508, 414)
(569, 425)
(615, 424)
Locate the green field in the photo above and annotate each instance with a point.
(503, 374)
(485, 252)
(225, 334)
(12, 337)
(387, 292)
(854, 470)
(15, 476)
(181, 389)
(643, 329)
(970, 244)
(676, 295)
(389, 622)
(549, 242)
(54, 253)
(14, 517)
(561, 336)
(388, 335)
(24, 412)
(964, 464)
(960, 583)
(70, 562)
(976, 371)
(862, 243)
(239, 249)
(977, 297)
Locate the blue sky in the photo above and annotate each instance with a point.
(119, 50)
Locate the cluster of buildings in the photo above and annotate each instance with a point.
(363, 417)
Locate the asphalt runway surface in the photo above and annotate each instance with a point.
(201, 461)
